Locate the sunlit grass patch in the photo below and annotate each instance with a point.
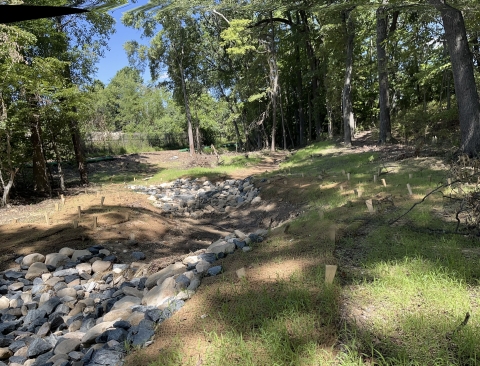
(281, 323)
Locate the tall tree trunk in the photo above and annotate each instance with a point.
(6, 187)
(330, 120)
(79, 151)
(187, 111)
(313, 60)
(385, 125)
(463, 77)
(284, 135)
(272, 62)
(59, 163)
(40, 176)
(348, 118)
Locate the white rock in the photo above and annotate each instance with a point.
(160, 276)
(221, 246)
(36, 270)
(202, 266)
(126, 302)
(95, 331)
(52, 281)
(157, 295)
(84, 268)
(256, 200)
(122, 314)
(191, 260)
(101, 266)
(4, 303)
(68, 291)
(67, 251)
(239, 234)
(28, 260)
(56, 259)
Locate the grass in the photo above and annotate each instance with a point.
(229, 165)
(401, 292)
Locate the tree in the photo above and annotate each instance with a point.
(348, 118)
(463, 76)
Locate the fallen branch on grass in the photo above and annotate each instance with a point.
(423, 200)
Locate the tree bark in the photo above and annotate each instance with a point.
(40, 177)
(272, 62)
(284, 135)
(79, 152)
(463, 77)
(385, 125)
(187, 111)
(348, 118)
(59, 163)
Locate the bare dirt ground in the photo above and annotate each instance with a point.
(127, 222)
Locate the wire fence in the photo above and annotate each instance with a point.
(121, 143)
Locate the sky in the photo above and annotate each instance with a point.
(116, 58)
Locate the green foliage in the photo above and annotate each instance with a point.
(237, 38)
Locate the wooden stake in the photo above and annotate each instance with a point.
(384, 183)
(79, 212)
(94, 222)
(46, 218)
(75, 224)
(348, 176)
(56, 206)
(62, 197)
(332, 233)
(369, 204)
(86, 191)
(409, 189)
(330, 271)
(101, 201)
(374, 178)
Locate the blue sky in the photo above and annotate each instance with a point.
(116, 58)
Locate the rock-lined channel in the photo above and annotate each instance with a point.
(194, 198)
(81, 308)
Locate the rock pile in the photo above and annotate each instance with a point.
(185, 197)
(81, 308)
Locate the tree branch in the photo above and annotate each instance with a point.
(269, 20)
(423, 199)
